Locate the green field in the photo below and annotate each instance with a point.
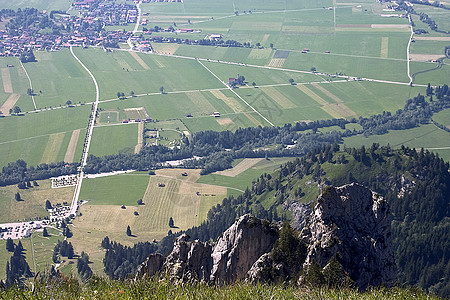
(443, 117)
(99, 191)
(107, 140)
(39, 4)
(27, 137)
(65, 79)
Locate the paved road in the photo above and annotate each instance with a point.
(84, 156)
(136, 26)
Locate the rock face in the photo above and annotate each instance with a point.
(349, 223)
(151, 266)
(229, 259)
(352, 224)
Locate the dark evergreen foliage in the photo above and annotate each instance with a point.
(120, 261)
(17, 269)
(83, 268)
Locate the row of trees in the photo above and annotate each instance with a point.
(18, 172)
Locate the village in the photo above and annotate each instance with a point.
(61, 30)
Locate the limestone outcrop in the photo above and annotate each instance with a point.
(352, 224)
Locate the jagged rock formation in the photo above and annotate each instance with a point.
(229, 259)
(349, 223)
(352, 224)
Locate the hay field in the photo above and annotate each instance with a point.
(52, 149)
(9, 104)
(177, 199)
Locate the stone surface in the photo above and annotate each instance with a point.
(239, 247)
(352, 224)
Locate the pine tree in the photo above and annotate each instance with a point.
(10, 245)
(45, 233)
(17, 197)
(105, 242)
(128, 230)
(48, 205)
(171, 223)
(70, 252)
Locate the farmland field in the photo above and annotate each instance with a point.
(302, 61)
(426, 136)
(109, 140)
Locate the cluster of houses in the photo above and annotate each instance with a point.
(109, 12)
(84, 30)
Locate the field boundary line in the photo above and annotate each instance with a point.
(31, 86)
(236, 94)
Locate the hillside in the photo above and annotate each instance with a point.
(415, 184)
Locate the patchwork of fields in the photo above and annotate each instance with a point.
(309, 60)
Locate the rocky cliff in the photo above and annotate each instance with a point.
(349, 223)
(227, 260)
(352, 224)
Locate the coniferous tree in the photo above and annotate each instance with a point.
(10, 245)
(128, 230)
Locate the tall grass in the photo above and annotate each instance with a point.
(157, 288)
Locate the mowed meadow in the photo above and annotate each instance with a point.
(112, 205)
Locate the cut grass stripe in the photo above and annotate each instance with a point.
(201, 102)
(52, 149)
(70, 153)
(278, 97)
(384, 47)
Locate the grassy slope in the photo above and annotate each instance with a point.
(166, 289)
